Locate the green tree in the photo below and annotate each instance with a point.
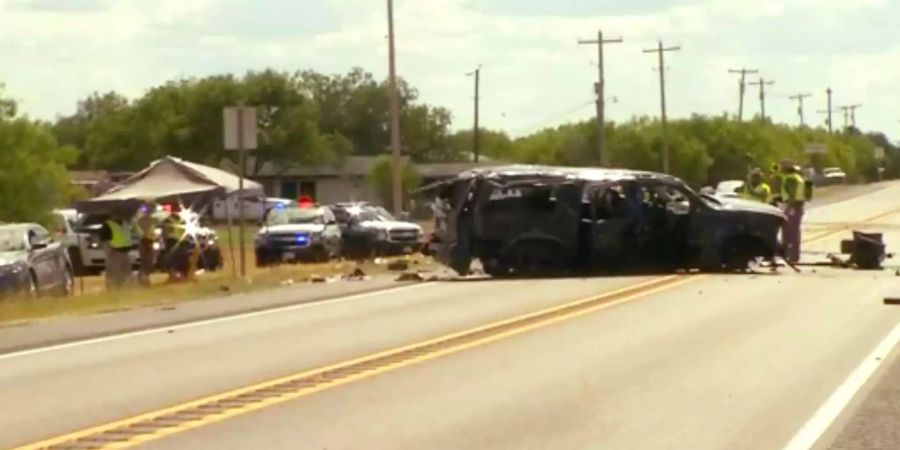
(382, 175)
(33, 177)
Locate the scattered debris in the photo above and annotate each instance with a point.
(356, 275)
(410, 276)
(316, 279)
(379, 261)
(225, 288)
(288, 282)
(398, 265)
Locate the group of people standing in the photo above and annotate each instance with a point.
(122, 232)
(786, 188)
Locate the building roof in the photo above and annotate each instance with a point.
(88, 176)
(353, 166)
(361, 166)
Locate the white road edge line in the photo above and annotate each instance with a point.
(816, 426)
(206, 322)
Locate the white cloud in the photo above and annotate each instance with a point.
(534, 72)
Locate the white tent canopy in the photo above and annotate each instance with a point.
(170, 179)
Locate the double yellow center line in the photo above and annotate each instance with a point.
(158, 424)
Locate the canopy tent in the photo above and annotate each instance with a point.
(168, 180)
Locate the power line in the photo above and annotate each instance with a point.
(762, 83)
(599, 89)
(799, 98)
(661, 51)
(554, 116)
(742, 88)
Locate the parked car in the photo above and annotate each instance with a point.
(371, 230)
(729, 188)
(833, 175)
(255, 207)
(298, 233)
(80, 236)
(32, 262)
(538, 220)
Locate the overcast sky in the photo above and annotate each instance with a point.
(534, 73)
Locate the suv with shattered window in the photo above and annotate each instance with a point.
(535, 220)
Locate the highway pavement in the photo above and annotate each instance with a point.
(697, 362)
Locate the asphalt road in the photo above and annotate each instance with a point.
(716, 362)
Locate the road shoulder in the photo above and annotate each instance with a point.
(75, 328)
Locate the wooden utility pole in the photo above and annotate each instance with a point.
(599, 89)
(394, 105)
(475, 129)
(762, 83)
(799, 98)
(853, 109)
(661, 51)
(742, 87)
(846, 111)
(829, 111)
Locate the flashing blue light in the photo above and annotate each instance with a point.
(279, 206)
(302, 239)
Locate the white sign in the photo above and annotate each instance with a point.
(240, 128)
(815, 149)
(879, 152)
(502, 194)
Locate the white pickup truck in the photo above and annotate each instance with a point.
(82, 241)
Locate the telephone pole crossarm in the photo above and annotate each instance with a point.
(800, 98)
(742, 88)
(661, 51)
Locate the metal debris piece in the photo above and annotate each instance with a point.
(398, 265)
(410, 276)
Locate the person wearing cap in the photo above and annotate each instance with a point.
(116, 236)
(793, 196)
(757, 189)
(145, 225)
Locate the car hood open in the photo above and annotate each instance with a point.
(390, 225)
(740, 204)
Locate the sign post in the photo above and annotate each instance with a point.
(240, 135)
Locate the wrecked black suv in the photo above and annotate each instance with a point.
(536, 220)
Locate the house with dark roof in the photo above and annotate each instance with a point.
(349, 181)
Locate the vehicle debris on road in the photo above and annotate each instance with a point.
(539, 220)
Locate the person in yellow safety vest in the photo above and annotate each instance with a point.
(757, 189)
(793, 196)
(145, 225)
(116, 234)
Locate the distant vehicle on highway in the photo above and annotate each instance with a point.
(833, 175)
(298, 233)
(368, 229)
(32, 262)
(538, 220)
(255, 207)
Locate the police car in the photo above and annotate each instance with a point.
(369, 229)
(298, 233)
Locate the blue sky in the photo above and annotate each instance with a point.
(534, 73)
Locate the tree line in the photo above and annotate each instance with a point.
(311, 118)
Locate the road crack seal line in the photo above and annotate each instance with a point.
(158, 424)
